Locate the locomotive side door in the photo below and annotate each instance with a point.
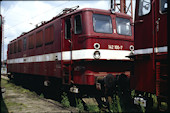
(66, 49)
(144, 79)
(148, 38)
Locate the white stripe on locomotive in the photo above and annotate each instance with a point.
(150, 50)
(76, 55)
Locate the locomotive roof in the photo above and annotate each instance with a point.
(71, 13)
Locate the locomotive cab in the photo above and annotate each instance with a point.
(96, 43)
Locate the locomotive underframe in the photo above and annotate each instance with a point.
(83, 74)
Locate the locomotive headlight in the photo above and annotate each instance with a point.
(131, 47)
(96, 55)
(96, 46)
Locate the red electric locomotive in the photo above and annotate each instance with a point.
(150, 54)
(76, 47)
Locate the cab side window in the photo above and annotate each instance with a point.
(39, 38)
(163, 6)
(11, 48)
(31, 41)
(19, 45)
(49, 35)
(77, 24)
(24, 43)
(144, 7)
(68, 28)
(15, 47)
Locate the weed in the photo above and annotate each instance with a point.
(41, 95)
(143, 109)
(25, 90)
(164, 106)
(133, 93)
(155, 102)
(92, 108)
(79, 105)
(115, 105)
(65, 101)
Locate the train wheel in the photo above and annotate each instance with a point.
(16, 79)
(73, 97)
(124, 92)
(110, 89)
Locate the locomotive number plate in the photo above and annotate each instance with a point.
(115, 47)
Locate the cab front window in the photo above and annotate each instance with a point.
(123, 26)
(102, 23)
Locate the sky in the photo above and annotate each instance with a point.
(22, 16)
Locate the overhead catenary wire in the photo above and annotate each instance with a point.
(38, 15)
(6, 10)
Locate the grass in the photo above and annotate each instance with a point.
(16, 88)
(14, 104)
(6, 84)
(115, 106)
(5, 102)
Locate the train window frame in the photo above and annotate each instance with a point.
(39, 39)
(68, 31)
(51, 35)
(19, 45)
(15, 47)
(140, 8)
(24, 43)
(75, 24)
(160, 8)
(11, 49)
(31, 41)
(118, 24)
(94, 23)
